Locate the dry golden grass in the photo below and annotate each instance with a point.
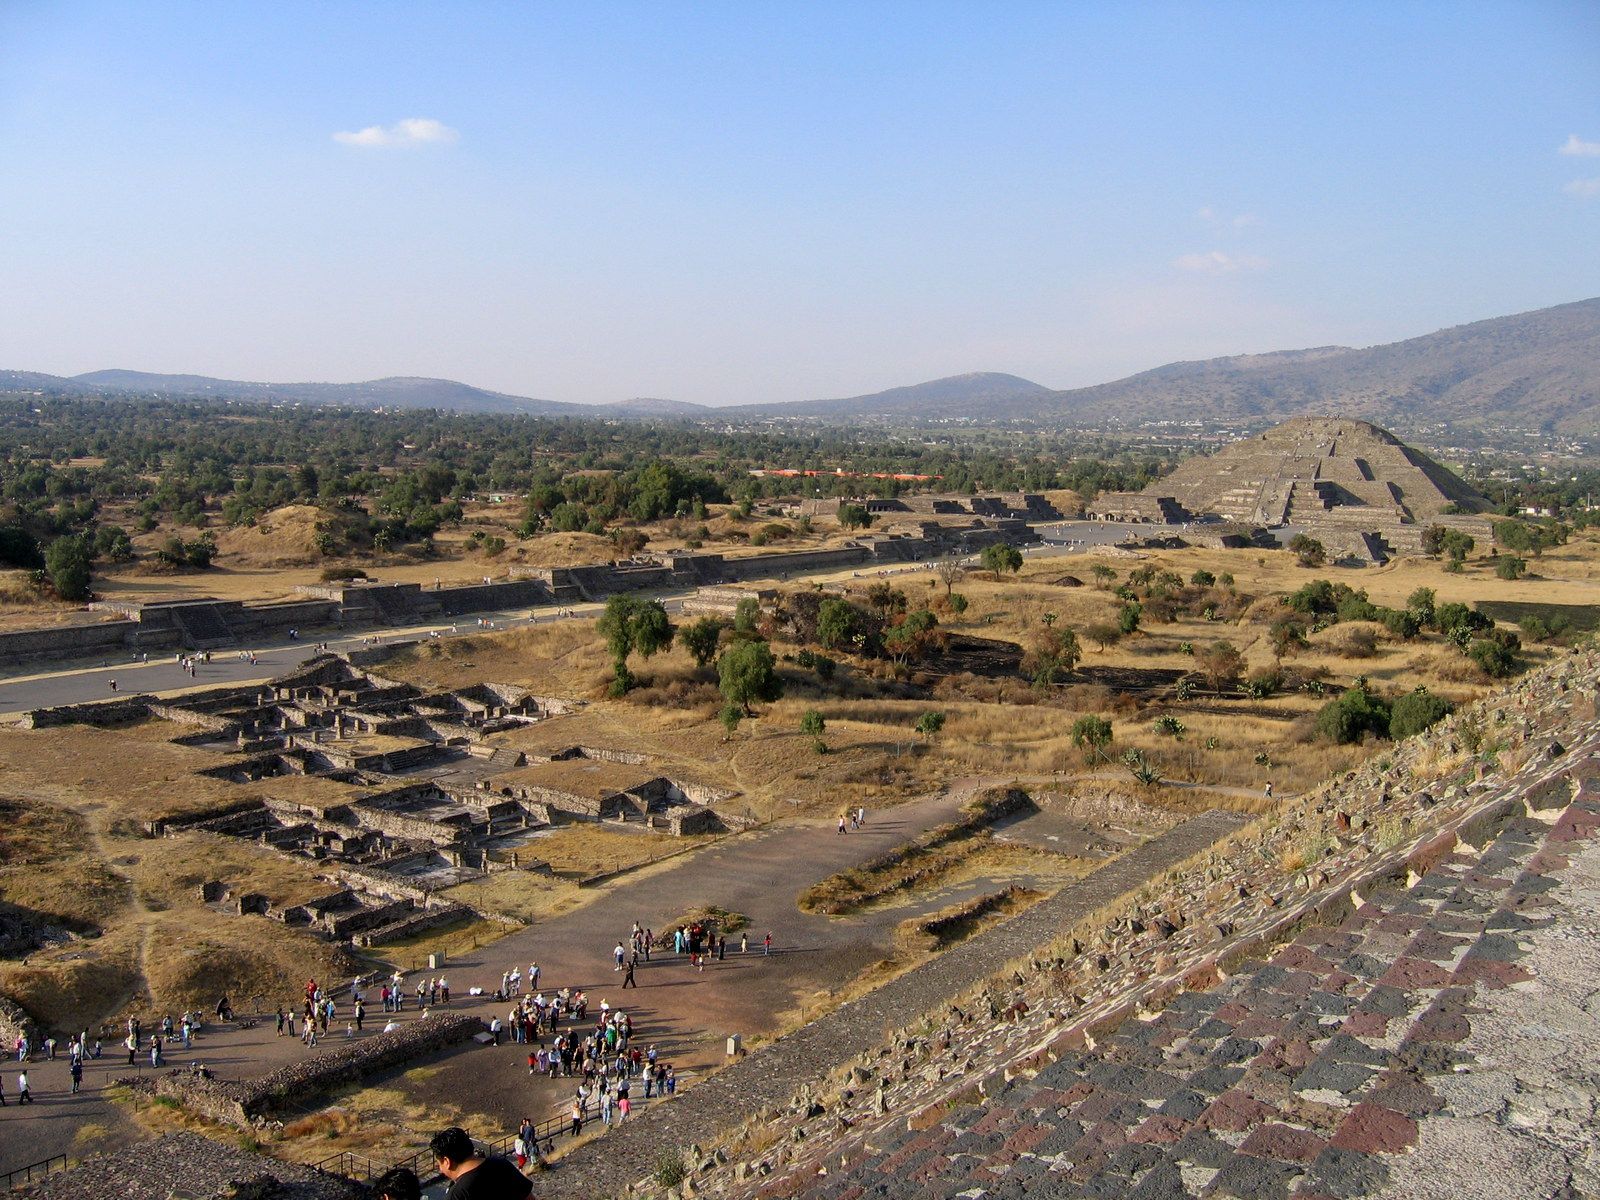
(83, 768)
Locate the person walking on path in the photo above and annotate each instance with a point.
(744, 943)
(619, 954)
(24, 1092)
(628, 980)
(841, 825)
(766, 943)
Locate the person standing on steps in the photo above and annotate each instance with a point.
(473, 1176)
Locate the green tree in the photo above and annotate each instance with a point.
(66, 562)
(854, 516)
(1455, 545)
(730, 715)
(747, 672)
(813, 726)
(1103, 633)
(633, 625)
(702, 638)
(1129, 616)
(1509, 566)
(1307, 550)
(912, 637)
(747, 616)
(837, 623)
(999, 557)
(1103, 575)
(1421, 604)
(1055, 653)
(930, 723)
(1091, 734)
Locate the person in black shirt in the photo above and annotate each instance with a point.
(401, 1183)
(471, 1175)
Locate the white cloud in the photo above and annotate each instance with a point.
(413, 131)
(1576, 147)
(1215, 262)
(1583, 189)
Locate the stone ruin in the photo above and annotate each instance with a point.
(1357, 488)
(404, 796)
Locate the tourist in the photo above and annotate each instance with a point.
(628, 980)
(766, 943)
(744, 943)
(841, 824)
(398, 1183)
(618, 954)
(24, 1093)
(77, 1075)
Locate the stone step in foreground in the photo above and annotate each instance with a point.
(773, 1074)
(1350, 1064)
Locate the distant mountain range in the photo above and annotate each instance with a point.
(1535, 370)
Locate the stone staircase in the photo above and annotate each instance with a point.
(1310, 1072)
(202, 626)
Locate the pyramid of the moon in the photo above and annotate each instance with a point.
(1310, 469)
(1358, 488)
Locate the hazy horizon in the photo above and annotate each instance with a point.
(724, 204)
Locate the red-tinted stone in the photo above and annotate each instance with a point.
(1365, 1024)
(1233, 1012)
(1098, 1139)
(1372, 1129)
(1283, 1142)
(1026, 1138)
(1161, 1131)
(1234, 1112)
(1436, 1026)
(1487, 972)
(1291, 1054)
(1410, 973)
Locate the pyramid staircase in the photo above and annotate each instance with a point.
(1303, 1073)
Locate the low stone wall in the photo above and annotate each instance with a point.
(65, 641)
(15, 1023)
(96, 712)
(248, 1102)
(419, 922)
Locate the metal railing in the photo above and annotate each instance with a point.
(27, 1174)
(364, 1170)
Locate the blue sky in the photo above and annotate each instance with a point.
(763, 201)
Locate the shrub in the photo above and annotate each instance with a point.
(1353, 715)
(1171, 726)
(1401, 622)
(1415, 711)
(1264, 684)
(1496, 656)
(1509, 566)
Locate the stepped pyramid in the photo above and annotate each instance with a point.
(1357, 487)
(1304, 469)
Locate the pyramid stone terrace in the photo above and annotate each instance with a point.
(1355, 486)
